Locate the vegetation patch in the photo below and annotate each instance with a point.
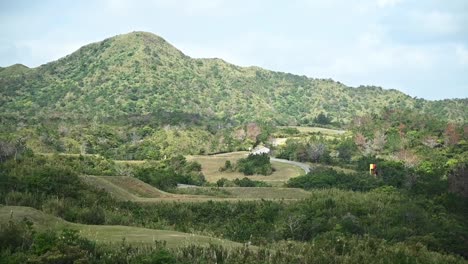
(255, 164)
(212, 163)
(328, 178)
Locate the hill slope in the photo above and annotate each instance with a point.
(131, 189)
(110, 233)
(141, 76)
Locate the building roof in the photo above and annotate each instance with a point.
(260, 150)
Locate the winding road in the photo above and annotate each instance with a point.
(303, 166)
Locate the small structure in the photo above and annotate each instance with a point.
(373, 169)
(259, 150)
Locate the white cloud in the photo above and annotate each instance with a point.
(248, 49)
(378, 51)
(42, 51)
(369, 40)
(436, 22)
(196, 7)
(118, 5)
(387, 3)
(462, 54)
(374, 58)
(180, 7)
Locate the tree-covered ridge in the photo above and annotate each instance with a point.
(140, 74)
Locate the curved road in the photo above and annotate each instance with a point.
(303, 166)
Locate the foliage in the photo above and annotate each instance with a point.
(227, 166)
(322, 119)
(120, 96)
(167, 174)
(313, 149)
(66, 246)
(45, 182)
(328, 178)
(382, 213)
(346, 149)
(255, 164)
(244, 182)
(43, 247)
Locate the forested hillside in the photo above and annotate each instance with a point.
(140, 76)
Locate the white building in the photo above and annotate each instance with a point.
(260, 150)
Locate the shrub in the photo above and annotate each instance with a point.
(329, 178)
(255, 164)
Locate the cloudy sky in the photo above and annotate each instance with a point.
(418, 47)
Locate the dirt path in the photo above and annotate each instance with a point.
(303, 166)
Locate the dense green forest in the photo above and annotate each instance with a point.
(139, 75)
(135, 106)
(132, 90)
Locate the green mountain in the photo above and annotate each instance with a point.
(141, 76)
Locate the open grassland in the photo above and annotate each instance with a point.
(131, 189)
(211, 164)
(107, 233)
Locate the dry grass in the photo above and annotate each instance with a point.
(211, 165)
(117, 192)
(136, 187)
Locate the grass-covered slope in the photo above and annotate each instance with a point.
(108, 233)
(126, 188)
(140, 76)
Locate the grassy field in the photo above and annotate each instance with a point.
(109, 234)
(211, 165)
(131, 189)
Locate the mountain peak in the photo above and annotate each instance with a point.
(14, 69)
(122, 53)
(141, 37)
(141, 34)
(137, 41)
